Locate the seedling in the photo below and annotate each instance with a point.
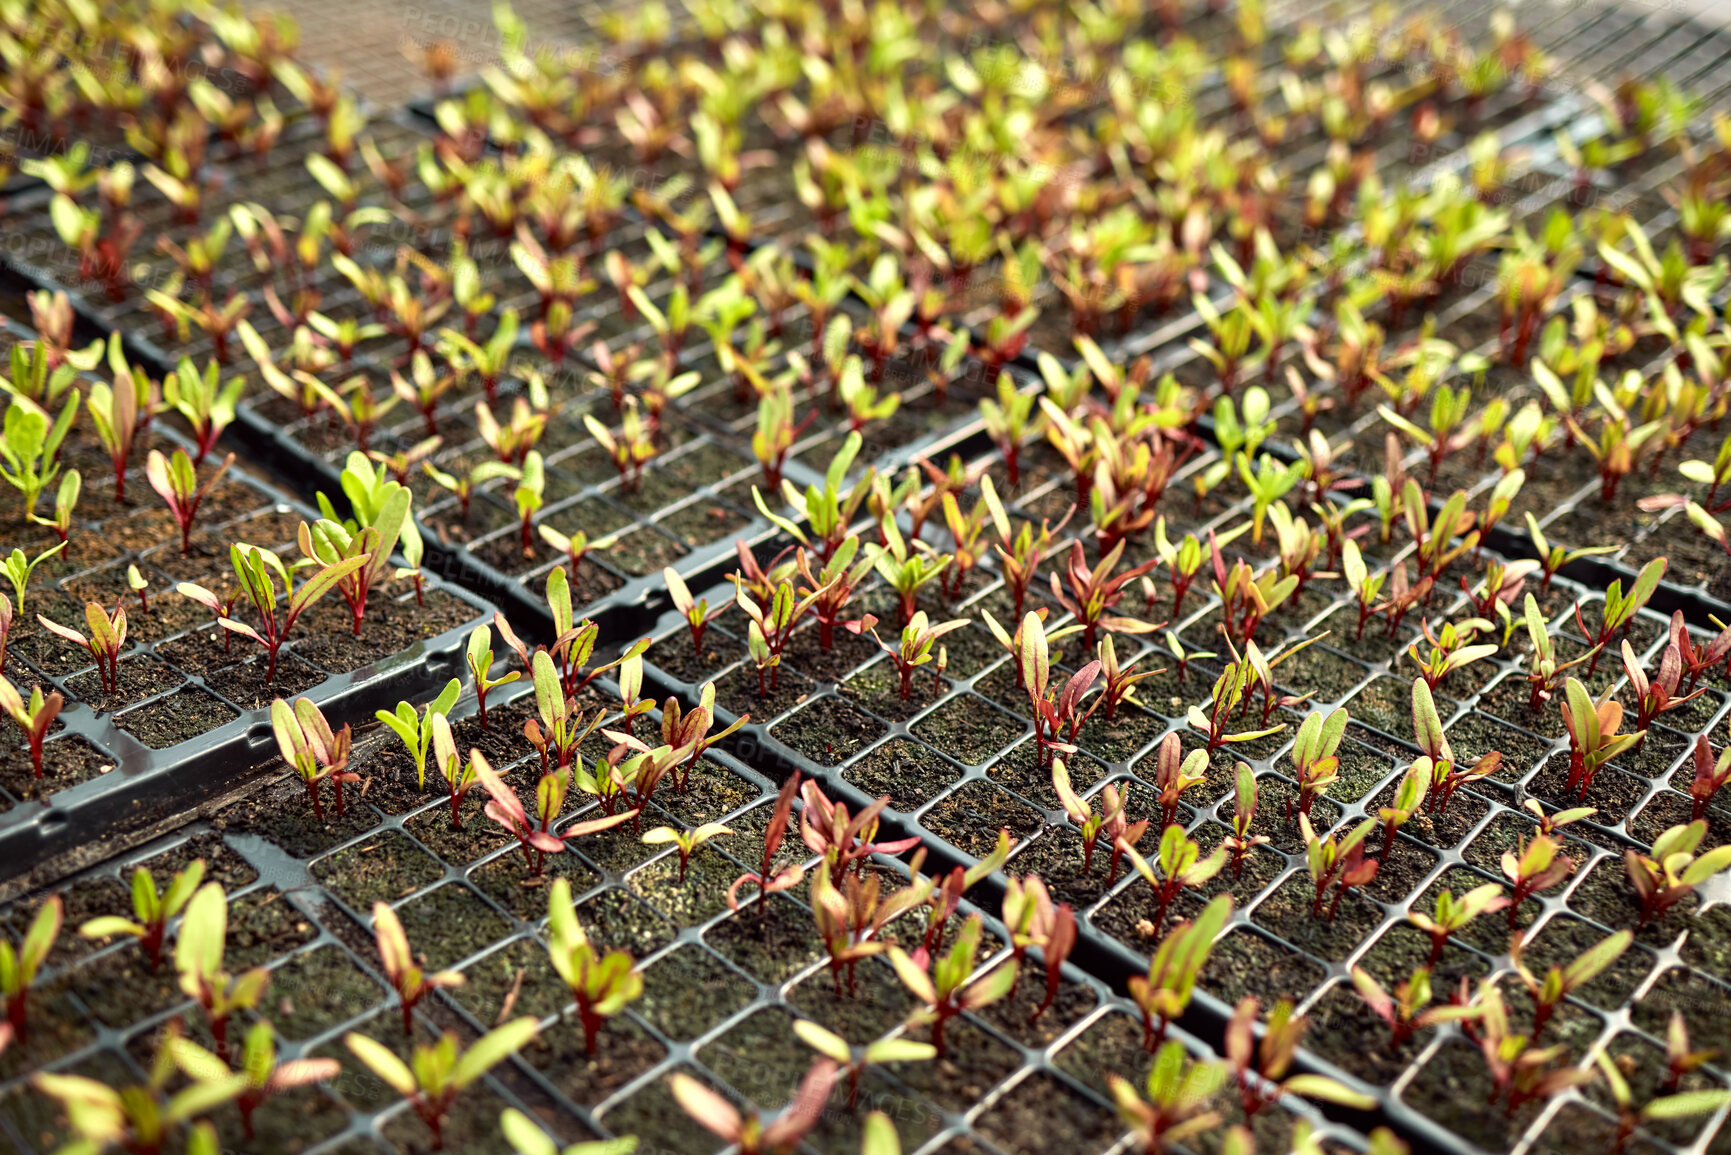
(30, 448)
(1164, 992)
(1414, 785)
(254, 569)
(416, 730)
(1521, 1072)
(603, 983)
(1260, 1069)
(906, 571)
(1033, 921)
(1657, 695)
(1711, 775)
(1339, 866)
(34, 717)
(1176, 1107)
(198, 947)
(18, 967)
(1593, 737)
(1020, 555)
(138, 1118)
(1451, 649)
(696, 612)
(1315, 756)
(1537, 866)
(1452, 915)
(1240, 842)
(946, 990)
(857, 1060)
(152, 910)
(207, 406)
(65, 501)
(1445, 774)
(176, 481)
(748, 1133)
(381, 520)
(262, 1077)
(479, 655)
(776, 433)
(1544, 669)
(915, 647)
(1175, 773)
(1180, 866)
(630, 449)
(1227, 695)
(1553, 558)
(1618, 612)
(440, 1071)
(313, 751)
(463, 488)
(767, 878)
(1092, 593)
(107, 639)
(685, 841)
(1010, 420)
(1409, 1010)
(114, 412)
(842, 838)
(1682, 1105)
(1561, 981)
(1674, 870)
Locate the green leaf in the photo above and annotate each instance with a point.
(491, 1049)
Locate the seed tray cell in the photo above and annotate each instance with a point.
(715, 1005)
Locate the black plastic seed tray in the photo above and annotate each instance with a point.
(137, 757)
(717, 1005)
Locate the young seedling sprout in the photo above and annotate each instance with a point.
(312, 749)
(1174, 1104)
(1536, 866)
(479, 655)
(1164, 992)
(603, 983)
(945, 986)
(1452, 915)
(917, 640)
(1560, 982)
(151, 910)
(856, 1061)
(767, 878)
(19, 966)
(695, 611)
(1180, 865)
(1593, 737)
(1438, 761)
(34, 716)
(1673, 870)
(685, 841)
(1618, 612)
(1315, 756)
(254, 569)
(1408, 795)
(262, 1076)
(18, 569)
(416, 730)
(1241, 842)
(1260, 1069)
(107, 639)
(748, 1133)
(1409, 1009)
(440, 1071)
(1681, 1105)
(198, 950)
(1034, 921)
(176, 481)
(1111, 821)
(1338, 866)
